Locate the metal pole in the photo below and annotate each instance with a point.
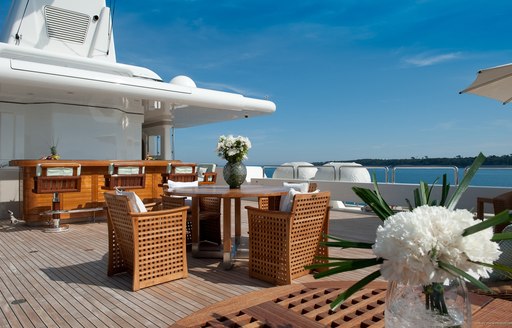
(172, 143)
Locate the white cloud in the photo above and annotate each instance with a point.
(427, 59)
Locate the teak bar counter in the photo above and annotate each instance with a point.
(92, 188)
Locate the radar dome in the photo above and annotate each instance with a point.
(183, 81)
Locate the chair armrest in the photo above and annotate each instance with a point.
(153, 206)
(260, 219)
(265, 211)
(158, 214)
(480, 202)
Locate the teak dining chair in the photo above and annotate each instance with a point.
(281, 244)
(151, 245)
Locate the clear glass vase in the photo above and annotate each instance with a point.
(435, 305)
(234, 174)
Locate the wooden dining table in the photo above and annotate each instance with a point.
(227, 195)
(307, 305)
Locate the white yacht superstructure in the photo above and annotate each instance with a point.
(60, 82)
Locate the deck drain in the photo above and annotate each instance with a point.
(20, 301)
(33, 252)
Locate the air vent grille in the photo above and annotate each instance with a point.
(66, 25)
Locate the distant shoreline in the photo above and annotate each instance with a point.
(458, 161)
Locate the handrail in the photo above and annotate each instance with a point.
(390, 172)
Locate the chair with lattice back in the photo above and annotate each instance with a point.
(150, 245)
(209, 207)
(281, 244)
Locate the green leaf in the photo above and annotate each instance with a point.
(375, 201)
(346, 244)
(354, 288)
(333, 242)
(463, 186)
(340, 258)
(458, 272)
(496, 266)
(344, 266)
(502, 236)
(409, 204)
(444, 191)
(424, 193)
(431, 202)
(502, 217)
(417, 198)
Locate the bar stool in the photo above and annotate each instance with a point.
(55, 178)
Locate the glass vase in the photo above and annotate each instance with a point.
(436, 305)
(234, 174)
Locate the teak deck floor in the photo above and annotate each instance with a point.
(60, 279)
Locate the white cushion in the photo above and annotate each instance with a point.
(302, 187)
(287, 200)
(285, 205)
(175, 184)
(136, 203)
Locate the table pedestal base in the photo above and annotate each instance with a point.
(57, 228)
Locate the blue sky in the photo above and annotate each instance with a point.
(350, 78)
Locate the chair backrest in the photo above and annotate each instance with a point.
(119, 216)
(310, 207)
(310, 216)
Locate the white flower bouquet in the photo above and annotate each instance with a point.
(425, 246)
(233, 149)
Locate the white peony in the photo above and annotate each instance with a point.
(412, 244)
(233, 149)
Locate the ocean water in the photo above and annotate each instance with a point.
(495, 177)
(486, 176)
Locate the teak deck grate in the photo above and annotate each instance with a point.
(364, 309)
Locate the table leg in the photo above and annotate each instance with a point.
(226, 233)
(195, 226)
(238, 221)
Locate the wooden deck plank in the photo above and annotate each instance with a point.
(39, 260)
(63, 278)
(20, 308)
(7, 312)
(46, 258)
(88, 280)
(32, 291)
